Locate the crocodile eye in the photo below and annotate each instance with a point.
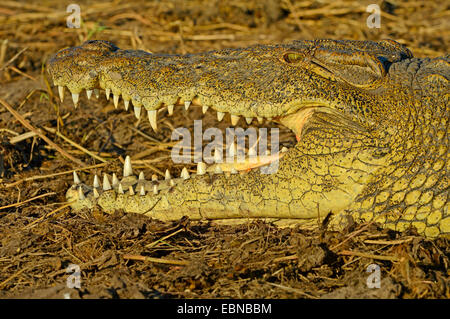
(292, 57)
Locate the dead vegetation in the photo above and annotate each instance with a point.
(42, 141)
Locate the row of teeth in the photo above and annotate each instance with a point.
(129, 180)
(152, 114)
(139, 187)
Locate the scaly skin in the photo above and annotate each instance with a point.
(372, 122)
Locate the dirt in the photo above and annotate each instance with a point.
(131, 256)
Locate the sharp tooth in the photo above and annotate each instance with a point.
(252, 151)
(136, 101)
(184, 173)
(154, 178)
(107, 92)
(127, 170)
(205, 108)
(120, 190)
(75, 99)
(116, 100)
(284, 149)
(137, 112)
(127, 104)
(234, 119)
(89, 94)
(155, 189)
(218, 170)
(115, 180)
(249, 120)
(141, 176)
(97, 93)
(152, 119)
(76, 179)
(96, 182)
(170, 109)
(201, 168)
(234, 171)
(142, 191)
(80, 193)
(96, 194)
(131, 190)
(172, 183)
(260, 120)
(106, 184)
(187, 104)
(220, 116)
(61, 92)
(167, 176)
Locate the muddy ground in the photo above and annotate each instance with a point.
(131, 256)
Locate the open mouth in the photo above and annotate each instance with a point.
(238, 153)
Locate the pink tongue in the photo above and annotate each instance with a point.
(247, 164)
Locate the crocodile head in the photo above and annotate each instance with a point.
(353, 106)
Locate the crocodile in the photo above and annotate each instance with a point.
(371, 122)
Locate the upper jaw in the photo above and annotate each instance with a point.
(84, 76)
(156, 81)
(294, 121)
(173, 80)
(91, 82)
